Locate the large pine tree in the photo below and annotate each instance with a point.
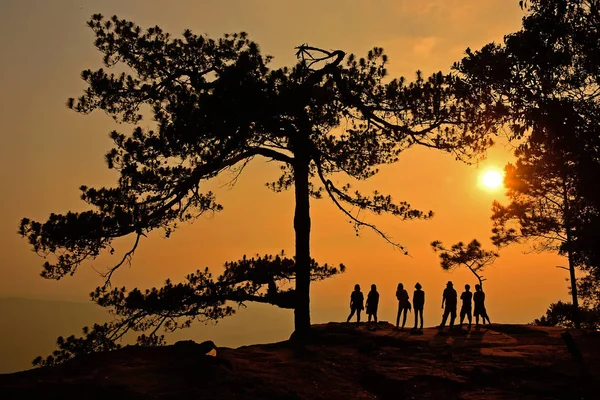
(217, 105)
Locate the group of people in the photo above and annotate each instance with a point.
(449, 305)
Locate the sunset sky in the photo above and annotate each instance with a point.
(48, 151)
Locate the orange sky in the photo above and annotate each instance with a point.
(48, 151)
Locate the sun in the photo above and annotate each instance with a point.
(491, 179)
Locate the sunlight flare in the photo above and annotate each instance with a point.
(491, 179)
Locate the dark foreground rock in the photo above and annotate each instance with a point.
(338, 361)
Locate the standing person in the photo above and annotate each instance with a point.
(449, 298)
(479, 300)
(403, 304)
(356, 304)
(372, 303)
(418, 303)
(465, 309)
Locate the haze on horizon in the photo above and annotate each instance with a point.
(49, 151)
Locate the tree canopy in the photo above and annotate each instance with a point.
(544, 204)
(471, 256)
(544, 80)
(217, 106)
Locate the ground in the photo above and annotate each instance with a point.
(339, 361)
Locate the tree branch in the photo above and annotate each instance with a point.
(358, 223)
(126, 258)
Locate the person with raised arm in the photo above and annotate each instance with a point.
(479, 300)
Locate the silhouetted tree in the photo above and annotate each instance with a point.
(471, 256)
(543, 198)
(565, 315)
(588, 288)
(544, 80)
(217, 106)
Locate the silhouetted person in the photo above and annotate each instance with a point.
(449, 299)
(479, 300)
(403, 304)
(372, 303)
(465, 309)
(356, 303)
(418, 304)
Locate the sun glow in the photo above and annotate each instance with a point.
(491, 179)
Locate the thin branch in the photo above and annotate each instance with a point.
(231, 183)
(328, 186)
(162, 321)
(126, 258)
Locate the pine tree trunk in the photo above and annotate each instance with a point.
(567, 225)
(576, 313)
(302, 229)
